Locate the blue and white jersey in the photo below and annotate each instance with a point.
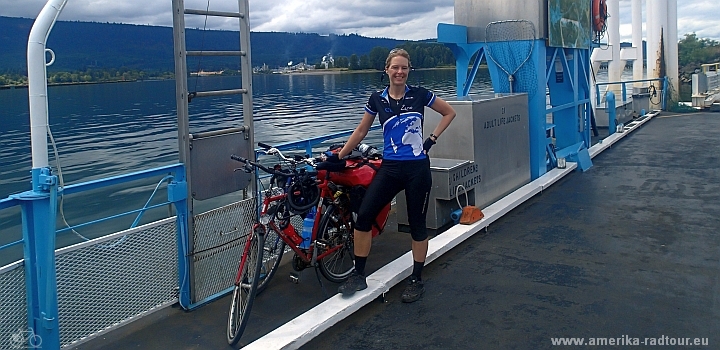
(402, 121)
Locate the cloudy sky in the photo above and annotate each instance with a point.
(397, 19)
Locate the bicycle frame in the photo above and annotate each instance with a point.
(289, 234)
(290, 231)
(245, 254)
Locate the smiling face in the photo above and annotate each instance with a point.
(397, 67)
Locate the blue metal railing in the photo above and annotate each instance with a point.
(308, 144)
(663, 97)
(98, 184)
(39, 208)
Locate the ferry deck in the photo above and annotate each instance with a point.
(627, 250)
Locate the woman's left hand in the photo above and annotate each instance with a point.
(427, 144)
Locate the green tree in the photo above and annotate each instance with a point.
(365, 62)
(342, 62)
(692, 52)
(354, 62)
(377, 57)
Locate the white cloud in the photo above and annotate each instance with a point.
(398, 19)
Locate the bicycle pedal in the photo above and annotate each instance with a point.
(294, 278)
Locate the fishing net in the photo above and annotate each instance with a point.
(510, 44)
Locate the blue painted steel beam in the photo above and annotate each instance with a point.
(455, 37)
(562, 82)
(178, 194)
(566, 106)
(39, 210)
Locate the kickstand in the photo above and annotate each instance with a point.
(322, 286)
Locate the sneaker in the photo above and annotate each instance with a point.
(413, 291)
(355, 283)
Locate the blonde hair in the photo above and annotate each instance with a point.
(394, 53)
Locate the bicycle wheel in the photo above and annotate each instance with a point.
(245, 288)
(272, 254)
(336, 230)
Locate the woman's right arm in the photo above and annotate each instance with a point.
(357, 135)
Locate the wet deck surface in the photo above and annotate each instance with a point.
(628, 248)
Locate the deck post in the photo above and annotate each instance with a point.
(611, 112)
(39, 211)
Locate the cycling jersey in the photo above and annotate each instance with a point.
(401, 121)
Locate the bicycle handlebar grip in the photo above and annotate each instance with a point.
(238, 158)
(264, 145)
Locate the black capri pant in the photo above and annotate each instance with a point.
(414, 177)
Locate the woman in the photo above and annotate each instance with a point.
(405, 166)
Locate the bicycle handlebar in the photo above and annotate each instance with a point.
(257, 165)
(270, 150)
(274, 151)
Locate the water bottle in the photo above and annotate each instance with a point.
(308, 224)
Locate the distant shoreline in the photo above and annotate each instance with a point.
(346, 71)
(305, 72)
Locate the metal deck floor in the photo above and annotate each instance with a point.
(629, 248)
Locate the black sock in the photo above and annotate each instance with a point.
(417, 269)
(360, 264)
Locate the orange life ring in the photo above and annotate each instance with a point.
(599, 12)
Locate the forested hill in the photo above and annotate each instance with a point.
(83, 45)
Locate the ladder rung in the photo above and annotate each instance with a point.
(219, 92)
(214, 13)
(216, 53)
(200, 135)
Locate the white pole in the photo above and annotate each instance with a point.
(637, 32)
(37, 80)
(615, 66)
(658, 11)
(650, 24)
(673, 70)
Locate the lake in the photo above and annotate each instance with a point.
(110, 129)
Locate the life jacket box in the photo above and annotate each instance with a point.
(446, 174)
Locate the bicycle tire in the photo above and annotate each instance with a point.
(273, 250)
(337, 231)
(244, 291)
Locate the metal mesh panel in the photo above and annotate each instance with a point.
(106, 281)
(218, 242)
(13, 307)
(510, 45)
(297, 222)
